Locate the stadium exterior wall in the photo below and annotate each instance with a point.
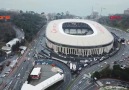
(80, 51)
(85, 49)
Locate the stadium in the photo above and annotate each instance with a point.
(78, 37)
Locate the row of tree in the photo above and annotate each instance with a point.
(30, 23)
(122, 23)
(116, 72)
(6, 32)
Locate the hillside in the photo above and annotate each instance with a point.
(6, 32)
(30, 22)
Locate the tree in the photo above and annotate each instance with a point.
(116, 67)
(96, 74)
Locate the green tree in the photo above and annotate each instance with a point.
(96, 74)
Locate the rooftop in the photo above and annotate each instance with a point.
(99, 35)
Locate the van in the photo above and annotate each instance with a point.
(7, 72)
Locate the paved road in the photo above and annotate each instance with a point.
(39, 44)
(19, 32)
(117, 56)
(19, 74)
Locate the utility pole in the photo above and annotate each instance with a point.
(102, 10)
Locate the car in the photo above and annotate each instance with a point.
(105, 62)
(86, 61)
(80, 82)
(80, 68)
(7, 72)
(124, 65)
(101, 59)
(3, 75)
(90, 60)
(85, 65)
(29, 54)
(43, 63)
(108, 83)
(95, 59)
(84, 77)
(89, 74)
(101, 66)
(121, 60)
(18, 74)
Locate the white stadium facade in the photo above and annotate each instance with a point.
(78, 37)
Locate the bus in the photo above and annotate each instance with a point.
(36, 73)
(71, 66)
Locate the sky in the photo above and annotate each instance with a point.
(76, 7)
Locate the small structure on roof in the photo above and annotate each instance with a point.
(12, 42)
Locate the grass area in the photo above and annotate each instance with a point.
(113, 88)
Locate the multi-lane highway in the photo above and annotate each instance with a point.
(118, 56)
(39, 44)
(78, 83)
(16, 80)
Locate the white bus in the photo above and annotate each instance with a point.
(36, 73)
(71, 66)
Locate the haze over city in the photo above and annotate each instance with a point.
(64, 45)
(77, 7)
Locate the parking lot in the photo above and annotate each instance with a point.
(46, 72)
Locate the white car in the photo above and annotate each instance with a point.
(80, 82)
(105, 62)
(85, 65)
(86, 61)
(121, 60)
(84, 78)
(28, 59)
(80, 68)
(101, 66)
(108, 83)
(3, 75)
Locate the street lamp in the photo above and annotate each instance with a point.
(102, 10)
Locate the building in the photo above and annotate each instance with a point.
(126, 12)
(12, 42)
(36, 72)
(44, 84)
(78, 37)
(7, 50)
